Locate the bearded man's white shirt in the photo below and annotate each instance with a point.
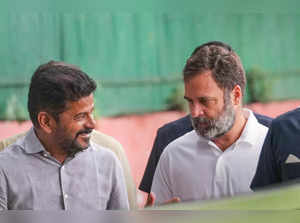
(194, 168)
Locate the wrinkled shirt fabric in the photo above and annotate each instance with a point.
(194, 168)
(31, 179)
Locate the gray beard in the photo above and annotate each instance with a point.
(214, 128)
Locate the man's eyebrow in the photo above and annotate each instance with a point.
(187, 98)
(208, 98)
(202, 97)
(84, 112)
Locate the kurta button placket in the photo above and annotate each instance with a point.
(64, 193)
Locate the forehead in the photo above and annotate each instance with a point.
(202, 85)
(84, 104)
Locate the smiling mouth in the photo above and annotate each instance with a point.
(85, 135)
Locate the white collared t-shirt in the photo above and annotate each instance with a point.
(194, 168)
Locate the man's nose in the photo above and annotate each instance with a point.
(196, 110)
(91, 122)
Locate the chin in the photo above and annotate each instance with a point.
(83, 146)
(78, 147)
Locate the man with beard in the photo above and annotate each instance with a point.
(219, 157)
(54, 166)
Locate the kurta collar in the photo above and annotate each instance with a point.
(250, 131)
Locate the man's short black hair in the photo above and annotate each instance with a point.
(53, 85)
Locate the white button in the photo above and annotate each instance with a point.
(66, 196)
(62, 168)
(45, 154)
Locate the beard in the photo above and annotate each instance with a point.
(71, 145)
(214, 128)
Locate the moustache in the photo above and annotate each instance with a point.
(84, 131)
(202, 121)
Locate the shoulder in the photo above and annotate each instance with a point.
(179, 146)
(103, 154)
(172, 130)
(288, 122)
(293, 115)
(108, 142)
(283, 136)
(101, 151)
(8, 141)
(105, 140)
(11, 156)
(262, 119)
(179, 124)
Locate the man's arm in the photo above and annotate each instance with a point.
(161, 183)
(268, 172)
(3, 192)
(165, 135)
(157, 149)
(118, 198)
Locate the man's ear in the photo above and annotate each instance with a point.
(46, 121)
(237, 95)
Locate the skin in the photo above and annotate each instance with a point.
(206, 99)
(151, 200)
(73, 129)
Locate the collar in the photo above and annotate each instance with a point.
(31, 144)
(249, 134)
(251, 130)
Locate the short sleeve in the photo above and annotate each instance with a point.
(161, 183)
(3, 191)
(158, 146)
(119, 198)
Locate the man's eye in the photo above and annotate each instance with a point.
(190, 102)
(207, 101)
(203, 101)
(79, 117)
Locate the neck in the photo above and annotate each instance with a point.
(50, 146)
(226, 140)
